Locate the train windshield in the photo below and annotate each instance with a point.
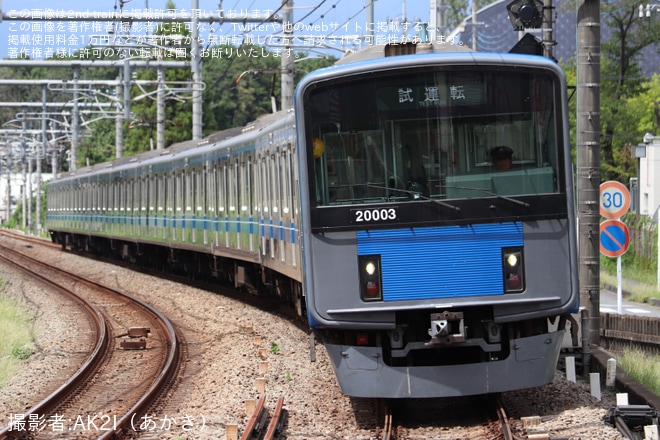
(436, 133)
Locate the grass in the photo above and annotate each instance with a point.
(642, 367)
(637, 278)
(17, 341)
(643, 284)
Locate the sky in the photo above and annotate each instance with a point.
(319, 21)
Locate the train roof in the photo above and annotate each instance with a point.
(215, 140)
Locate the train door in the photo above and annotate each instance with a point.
(103, 193)
(287, 201)
(249, 188)
(263, 203)
(172, 203)
(139, 203)
(213, 204)
(223, 208)
(270, 197)
(151, 203)
(94, 203)
(83, 205)
(161, 206)
(280, 175)
(76, 206)
(190, 204)
(114, 206)
(133, 211)
(181, 203)
(209, 203)
(241, 231)
(233, 201)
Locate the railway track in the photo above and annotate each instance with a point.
(471, 417)
(135, 358)
(262, 425)
(441, 422)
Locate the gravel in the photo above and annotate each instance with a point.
(233, 350)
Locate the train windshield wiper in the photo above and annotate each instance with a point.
(490, 193)
(416, 195)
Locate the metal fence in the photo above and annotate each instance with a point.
(619, 332)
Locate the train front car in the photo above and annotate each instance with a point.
(439, 243)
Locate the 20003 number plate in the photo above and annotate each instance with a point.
(374, 215)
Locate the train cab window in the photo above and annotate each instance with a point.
(429, 133)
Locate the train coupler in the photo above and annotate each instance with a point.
(447, 328)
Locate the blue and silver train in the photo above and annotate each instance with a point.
(376, 209)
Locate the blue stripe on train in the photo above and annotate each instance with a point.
(441, 262)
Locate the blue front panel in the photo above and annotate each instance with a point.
(441, 262)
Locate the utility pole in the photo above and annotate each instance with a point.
(588, 168)
(370, 22)
(196, 66)
(548, 23)
(438, 19)
(75, 120)
(287, 55)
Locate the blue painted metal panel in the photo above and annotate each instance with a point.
(441, 262)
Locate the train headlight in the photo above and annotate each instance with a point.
(370, 278)
(513, 270)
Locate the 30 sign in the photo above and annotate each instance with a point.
(614, 199)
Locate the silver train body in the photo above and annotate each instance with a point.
(375, 209)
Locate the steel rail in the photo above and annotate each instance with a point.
(50, 403)
(256, 420)
(168, 369)
(277, 421)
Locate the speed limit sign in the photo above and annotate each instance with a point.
(614, 199)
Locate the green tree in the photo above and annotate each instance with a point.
(622, 80)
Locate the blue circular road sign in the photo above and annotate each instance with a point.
(614, 238)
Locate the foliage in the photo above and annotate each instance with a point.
(641, 367)
(17, 337)
(274, 348)
(16, 219)
(622, 81)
